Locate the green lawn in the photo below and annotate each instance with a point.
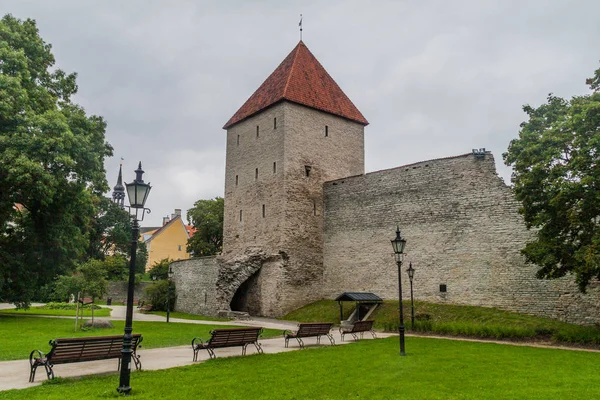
(19, 335)
(42, 310)
(181, 315)
(480, 322)
(369, 369)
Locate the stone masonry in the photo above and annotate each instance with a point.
(279, 209)
(302, 221)
(463, 230)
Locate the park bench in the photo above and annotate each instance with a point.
(358, 327)
(143, 306)
(72, 350)
(314, 329)
(228, 338)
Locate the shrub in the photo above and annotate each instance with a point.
(69, 306)
(157, 295)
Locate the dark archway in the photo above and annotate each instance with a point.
(247, 296)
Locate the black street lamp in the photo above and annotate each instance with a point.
(169, 275)
(137, 192)
(411, 274)
(399, 243)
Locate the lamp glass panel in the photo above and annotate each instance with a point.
(131, 188)
(141, 194)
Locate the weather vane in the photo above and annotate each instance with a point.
(300, 25)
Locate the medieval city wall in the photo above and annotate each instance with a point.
(196, 285)
(462, 229)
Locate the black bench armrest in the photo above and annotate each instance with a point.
(196, 341)
(33, 359)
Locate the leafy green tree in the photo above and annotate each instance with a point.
(111, 230)
(556, 177)
(51, 165)
(207, 218)
(158, 293)
(116, 268)
(141, 258)
(160, 269)
(93, 273)
(67, 285)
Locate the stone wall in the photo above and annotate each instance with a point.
(462, 229)
(196, 285)
(118, 291)
(207, 285)
(274, 197)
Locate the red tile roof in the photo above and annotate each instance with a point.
(301, 79)
(190, 230)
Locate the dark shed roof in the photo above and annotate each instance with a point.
(359, 296)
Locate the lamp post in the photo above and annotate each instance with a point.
(137, 192)
(169, 275)
(399, 243)
(411, 274)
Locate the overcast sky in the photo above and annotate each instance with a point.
(434, 78)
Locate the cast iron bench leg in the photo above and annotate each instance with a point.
(330, 336)
(258, 347)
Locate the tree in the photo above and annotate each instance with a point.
(94, 280)
(207, 218)
(111, 230)
(556, 177)
(158, 293)
(160, 269)
(51, 165)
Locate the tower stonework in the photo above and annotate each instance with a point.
(303, 222)
(297, 131)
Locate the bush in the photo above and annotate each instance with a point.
(69, 306)
(160, 269)
(158, 293)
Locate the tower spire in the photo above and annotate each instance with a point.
(118, 193)
(300, 25)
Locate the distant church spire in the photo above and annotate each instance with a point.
(118, 193)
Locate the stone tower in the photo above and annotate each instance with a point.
(297, 131)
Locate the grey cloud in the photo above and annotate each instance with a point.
(434, 78)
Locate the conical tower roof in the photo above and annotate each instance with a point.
(301, 79)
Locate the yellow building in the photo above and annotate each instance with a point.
(168, 241)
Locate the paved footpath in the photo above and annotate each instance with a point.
(15, 374)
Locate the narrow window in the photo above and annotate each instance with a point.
(237, 180)
(326, 131)
(240, 215)
(257, 131)
(256, 174)
(274, 167)
(314, 207)
(307, 169)
(238, 140)
(263, 210)
(274, 123)
(179, 247)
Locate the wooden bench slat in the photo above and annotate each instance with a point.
(313, 329)
(229, 338)
(72, 350)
